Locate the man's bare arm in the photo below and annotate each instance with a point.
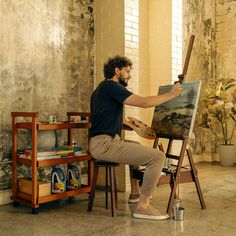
(152, 101)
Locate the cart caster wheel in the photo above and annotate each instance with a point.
(35, 211)
(16, 204)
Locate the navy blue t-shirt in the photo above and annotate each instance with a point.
(106, 106)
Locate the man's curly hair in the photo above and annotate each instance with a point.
(115, 62)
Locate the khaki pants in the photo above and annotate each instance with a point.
(107, 148)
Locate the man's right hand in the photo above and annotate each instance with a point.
(176, 90)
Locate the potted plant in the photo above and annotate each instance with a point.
(219, 116)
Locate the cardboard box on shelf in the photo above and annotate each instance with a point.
(25, 186)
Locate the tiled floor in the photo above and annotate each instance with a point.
(63, 218)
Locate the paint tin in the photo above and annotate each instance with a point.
(178, 210)
(52, 119)
(178, 213)
(74, 143)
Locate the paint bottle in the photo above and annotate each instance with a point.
(58, 180)
(73, 177)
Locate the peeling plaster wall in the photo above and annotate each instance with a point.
(226, 34)
(46, 63)
(214, 25)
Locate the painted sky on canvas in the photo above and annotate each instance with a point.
(188, 96)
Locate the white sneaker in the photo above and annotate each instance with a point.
(149, 213)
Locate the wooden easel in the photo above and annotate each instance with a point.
(181, 77)
(176, 174)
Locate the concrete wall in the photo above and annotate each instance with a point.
(46, 63)
(109, 33)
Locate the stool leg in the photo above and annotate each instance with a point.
(106, 188)
(92, 193)
(115, 188)
(112, 183)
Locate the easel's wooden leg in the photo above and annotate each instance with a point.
(195, 179)
(172, 197)
(176, 177)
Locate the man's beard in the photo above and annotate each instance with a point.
(122, 80)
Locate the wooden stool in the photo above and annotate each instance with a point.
(110, 169)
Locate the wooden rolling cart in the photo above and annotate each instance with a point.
(34, 200)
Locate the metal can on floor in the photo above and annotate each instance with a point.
(178, 213)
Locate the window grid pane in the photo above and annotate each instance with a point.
(176, 39)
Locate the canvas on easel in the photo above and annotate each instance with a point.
(175, 118)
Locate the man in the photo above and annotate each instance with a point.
(107, 103)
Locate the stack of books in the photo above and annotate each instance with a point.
(70, 151)
(79, 151)
(43, 154)
(53, 153)
(64, 151)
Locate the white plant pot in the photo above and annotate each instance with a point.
(227, 154)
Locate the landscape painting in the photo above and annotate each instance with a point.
(175, 118)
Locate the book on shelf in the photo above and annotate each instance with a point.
(70, 150)
(80, 153)
(53, 153)
(64, 152)
(40, 152)
(41, 158)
